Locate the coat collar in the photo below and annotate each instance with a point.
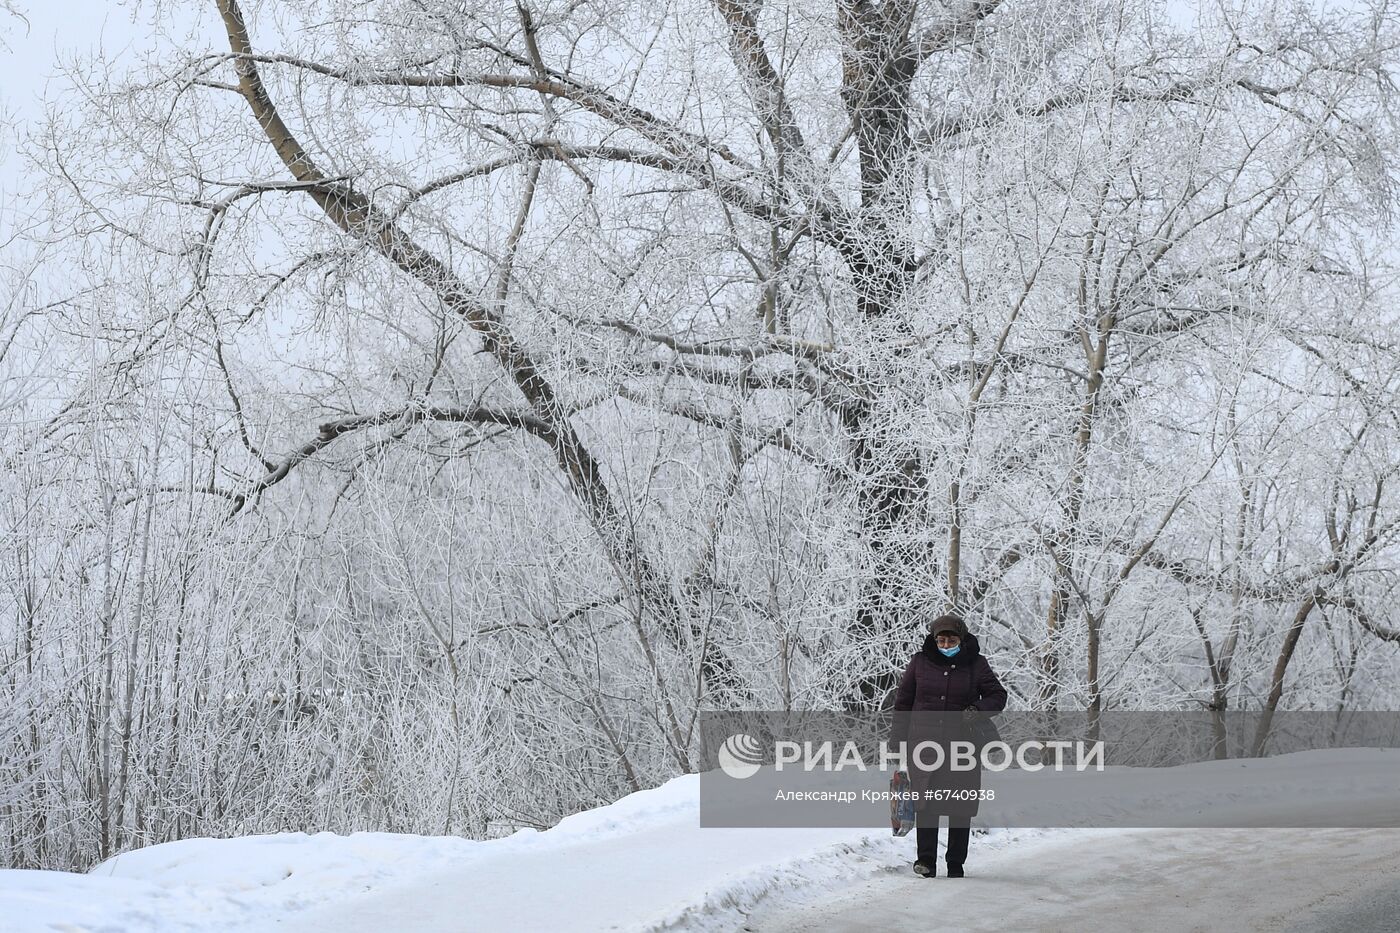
(968, 654)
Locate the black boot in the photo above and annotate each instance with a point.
(927, 836)
(958, 837)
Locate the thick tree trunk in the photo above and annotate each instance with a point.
(878, 65)
(893, 488)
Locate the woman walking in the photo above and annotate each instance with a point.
(948, 675)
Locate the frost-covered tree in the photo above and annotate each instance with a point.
(457, 397)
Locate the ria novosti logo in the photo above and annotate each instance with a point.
(740, 756)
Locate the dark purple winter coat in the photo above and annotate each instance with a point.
(942, 684)
(934, 683)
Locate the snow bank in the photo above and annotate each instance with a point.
(257, 882)
(210, 884)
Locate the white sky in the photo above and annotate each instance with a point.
(32, 44)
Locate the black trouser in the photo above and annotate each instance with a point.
(927, 835)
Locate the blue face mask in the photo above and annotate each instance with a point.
(949, 652)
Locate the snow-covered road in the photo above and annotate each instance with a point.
(644, 864)
(1163, 880)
